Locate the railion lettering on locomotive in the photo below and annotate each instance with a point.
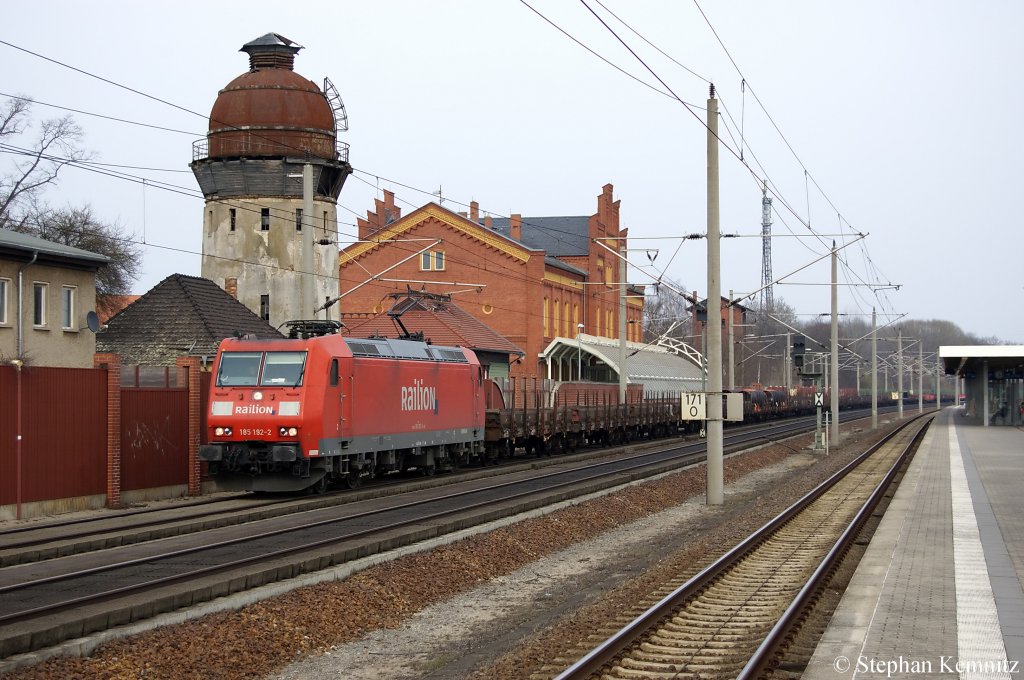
(254, 409)
(419, 397)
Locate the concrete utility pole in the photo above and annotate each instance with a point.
(834, 438)
(308, 303)
(899, 374)
(732, 351)
(787, 362)
(716, 444)
(623, 376)
(920, 376)
(874, 370)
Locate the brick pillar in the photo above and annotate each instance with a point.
(112, 364)
(188, 376)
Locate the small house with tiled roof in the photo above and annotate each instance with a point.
(180, 316)
(439, 321)
(530, 279)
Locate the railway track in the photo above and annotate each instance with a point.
(43, 541)
(62, 598)
(732, 619)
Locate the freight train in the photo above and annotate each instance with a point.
(318, 408)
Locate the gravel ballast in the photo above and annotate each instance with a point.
(501, 604)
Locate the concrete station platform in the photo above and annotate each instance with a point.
(940, 590)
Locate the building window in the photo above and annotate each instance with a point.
(67, 307)
(556, 327)
(5, 285)
(265, 307)
(544, 315)
(264, 219)
(39, 304)
(325, 223)
(568, 330)
(233, 216)
(432, 260)
(298, 219)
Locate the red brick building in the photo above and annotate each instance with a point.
(531, 279)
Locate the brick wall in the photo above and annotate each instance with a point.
(112, 364)
(511, 300)
(188, 375)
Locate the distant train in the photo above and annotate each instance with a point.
(319, 409)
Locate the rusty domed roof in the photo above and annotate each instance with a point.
(271, 110)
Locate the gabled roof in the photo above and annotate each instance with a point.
(15, 242)
(493, 239)
(441, 322)
(180, 316)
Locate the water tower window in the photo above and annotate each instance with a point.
(265, 307)
(264, 219)
(234, 218)
(298, 219)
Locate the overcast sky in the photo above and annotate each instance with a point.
(900, 120)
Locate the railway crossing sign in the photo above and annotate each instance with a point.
(819, 399)
(694, 406)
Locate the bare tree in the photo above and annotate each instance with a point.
(667, 309)
(38, 158)
(79, 228)
(39, 152)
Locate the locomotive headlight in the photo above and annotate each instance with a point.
(219, 432)
(257, 396)
(292, 431)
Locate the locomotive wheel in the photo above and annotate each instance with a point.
(354, 480)
(319, 487)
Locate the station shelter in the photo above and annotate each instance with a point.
(993, 381)
(658, 369)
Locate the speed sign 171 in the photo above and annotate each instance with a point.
(694, 406)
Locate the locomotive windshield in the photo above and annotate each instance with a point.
(249, 369)
(283, 369)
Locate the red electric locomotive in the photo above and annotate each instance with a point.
(300, 413)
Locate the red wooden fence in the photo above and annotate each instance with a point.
(63, 426)
(81, 434)
(154, 437)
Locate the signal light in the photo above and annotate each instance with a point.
(798, 350)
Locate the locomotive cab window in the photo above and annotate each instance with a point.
(243, 369)
(283, 369)
(333, 376)
(239, 368)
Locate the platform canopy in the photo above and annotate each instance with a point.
(965, 360)
(658, 369)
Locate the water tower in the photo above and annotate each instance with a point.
(266, 126)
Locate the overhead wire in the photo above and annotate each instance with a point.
(168, 103)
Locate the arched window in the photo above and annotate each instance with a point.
(544, 315)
